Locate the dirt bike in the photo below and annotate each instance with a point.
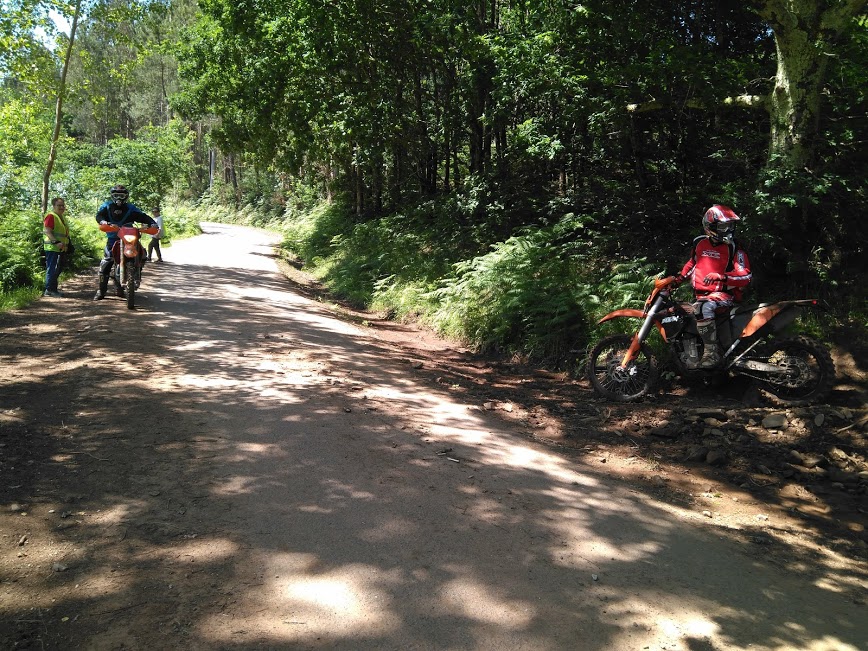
(797, 370)
(128, 255)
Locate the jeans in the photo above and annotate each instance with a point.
(154, 245)
(705, 308)
(52, 269)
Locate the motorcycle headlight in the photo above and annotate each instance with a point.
(130, 239)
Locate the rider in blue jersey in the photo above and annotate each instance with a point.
(120, 213)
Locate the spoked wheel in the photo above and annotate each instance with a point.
(807, 372)
(611, 381)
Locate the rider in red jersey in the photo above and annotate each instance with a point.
(719, 270)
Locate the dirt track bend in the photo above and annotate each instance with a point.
(230, 466)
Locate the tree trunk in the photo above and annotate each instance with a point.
(232, 177)
(58, 112)
(805, 32)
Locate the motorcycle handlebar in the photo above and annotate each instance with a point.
(673, 281)
(113, 228)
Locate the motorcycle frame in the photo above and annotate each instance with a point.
(765, 319)
(127, 246)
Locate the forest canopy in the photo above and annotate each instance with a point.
(411, 148)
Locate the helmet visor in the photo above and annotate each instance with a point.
(724, 228)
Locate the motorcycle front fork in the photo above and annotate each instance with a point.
(124, 269)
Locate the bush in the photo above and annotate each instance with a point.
(20, 247)
(538, 293)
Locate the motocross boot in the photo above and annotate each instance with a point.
(103, 286)
(119, 289)
(710, 354)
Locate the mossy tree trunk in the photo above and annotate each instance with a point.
(805, 34)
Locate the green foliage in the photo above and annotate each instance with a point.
(150, 165)
(538, 292)
(535, 293)
(519, 291)
(181, 220)
(24, 133)
(20, 297)
(310, 234)
(381, 262)
(20, 244)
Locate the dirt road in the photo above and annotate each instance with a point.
(231, 466)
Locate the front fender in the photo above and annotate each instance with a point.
(631, 313)
(627, 312)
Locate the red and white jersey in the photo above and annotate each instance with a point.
(729, 260)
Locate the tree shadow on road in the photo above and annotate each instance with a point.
(241, 470)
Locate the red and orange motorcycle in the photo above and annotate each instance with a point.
(796, 369)
(128, 255)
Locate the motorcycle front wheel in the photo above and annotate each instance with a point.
(131, 291)
(611, 381)
(807, 370)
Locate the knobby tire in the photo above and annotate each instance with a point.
(621, 385)
(131, 291)
(812, 371)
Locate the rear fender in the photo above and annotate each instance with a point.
(775, 317)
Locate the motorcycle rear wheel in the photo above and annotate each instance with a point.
(810, 371)
(610, 381)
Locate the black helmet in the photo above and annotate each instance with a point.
(119, 194)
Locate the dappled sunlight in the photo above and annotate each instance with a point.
(522, 457)
(662, 620)
(209, 382)
(296, 603)
(579, 553)
(841, 582)
(202, 344)
(258, 448)
(119, 513)
(827, 643)
(236, 486)
(326, 594)
(246, 453)
(800, 632)
(314, 508)
(338, 491)
(476, 601)
(205, 549)
(394, 529)
(267, 476)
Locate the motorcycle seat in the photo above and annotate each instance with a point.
(743, 309)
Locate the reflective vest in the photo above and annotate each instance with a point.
(60, 232)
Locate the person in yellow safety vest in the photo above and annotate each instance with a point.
(55, 243)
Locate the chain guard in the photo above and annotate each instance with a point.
(783, 378)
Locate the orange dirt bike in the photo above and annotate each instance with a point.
(128, 255)
(795, 369)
